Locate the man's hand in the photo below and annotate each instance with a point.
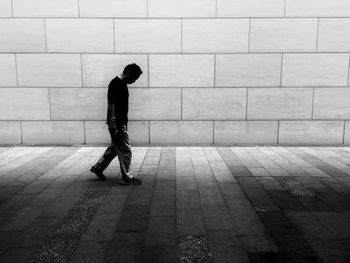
(113, 127)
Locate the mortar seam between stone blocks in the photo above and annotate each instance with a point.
(45, 35)
(84, 127)
(113, 36)
(81, 70)
(149, 132)
(213, 131)
(16, 65)
(343, 141)
(20, 126)
(249, 27)
(317, 33)
(181, 103)
(246, 104)
(147, 11)
(348, 72)
(181, 35)
(12, 8)
(171, 18)
(216, 8)
(281, 72)
(78, 5)
(313, 101)
(50, 104)
(278, 131)
(214, 70)
(148, 82)
(285, 8)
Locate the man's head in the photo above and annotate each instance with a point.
(131, 73)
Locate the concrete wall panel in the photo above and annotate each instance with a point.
(180, 132)
(80, 35)
(52, 132)
(215, 35)
(100, 69)
(245, 131)
(283, 35)
(10, 132)
(315, 69)
(318, 132)
(24, 104)
(181, 70)
(213, 103)
(49, 70)
(22, 35)
(279, 103)
(8, 70)
(45, 8)
(147, 35)
(247, 70)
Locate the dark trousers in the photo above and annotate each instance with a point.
(120, 146)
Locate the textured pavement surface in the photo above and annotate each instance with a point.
(218, 204)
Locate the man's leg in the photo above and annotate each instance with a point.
(121, 144)
(105, 159)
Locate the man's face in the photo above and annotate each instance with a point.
(131, 77)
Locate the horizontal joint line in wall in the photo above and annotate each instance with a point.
(177, 87)
(184, 120)
(169, 18)
(172, 53)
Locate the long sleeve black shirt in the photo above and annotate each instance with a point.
(118, 94)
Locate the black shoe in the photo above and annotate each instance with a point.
(98, 173)
(130, 181)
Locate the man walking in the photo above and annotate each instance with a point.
(117, 120)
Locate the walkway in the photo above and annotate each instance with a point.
(218, 204)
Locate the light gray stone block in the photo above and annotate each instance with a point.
(213, 103)
(332, 103)
(181, 8)
(245, 131)
(22, 35)
(49, 70)
(45, 8)
(215, 35)
(10, 132)
(78, 104)
(80, 35)
(283, 35)
(181, 70)
(5, 8)
(100, 69)
(317, 8)
(246, 70)
(52, 132)
(154, 104)
(97, 132)
(8, 70)
(318, 132)
(250, 8)
(180, 132)
(315, 69)
(279, 103)
(334, 34)
(147, 35)
(24, 104)
(113, 8)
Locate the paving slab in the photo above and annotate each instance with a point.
(251, 204)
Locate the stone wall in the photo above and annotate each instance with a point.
(215, 71)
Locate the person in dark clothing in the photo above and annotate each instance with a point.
(117, 121)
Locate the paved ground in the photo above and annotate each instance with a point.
(238, 204)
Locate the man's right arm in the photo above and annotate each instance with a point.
(111, 113)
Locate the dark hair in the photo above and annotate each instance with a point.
(133, 68)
